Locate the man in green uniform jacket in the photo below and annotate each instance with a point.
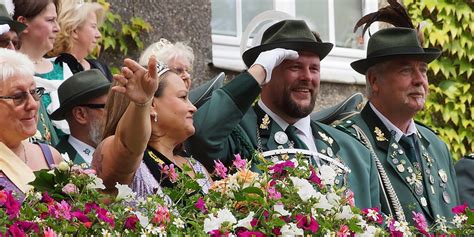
(415, 166)
(285, 70)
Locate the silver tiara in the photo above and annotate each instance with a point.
(162, 68)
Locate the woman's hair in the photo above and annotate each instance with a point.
(71, 16)
(31, 8)
(14, 63)
(164, 51)
(117, 104)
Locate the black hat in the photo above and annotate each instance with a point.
(288, 34)
(5, 18)
(78, 88)
(391, 43)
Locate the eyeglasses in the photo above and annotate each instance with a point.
(93, 106)
(22, 97)
(180, 71)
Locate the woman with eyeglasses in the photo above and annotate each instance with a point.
(40, 17)
(148, 115)
(19, 103)
(79, 36)
(178, 57)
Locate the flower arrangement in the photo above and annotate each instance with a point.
(290, 197)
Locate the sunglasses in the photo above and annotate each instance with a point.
(5, 41)
(22, 97)
(93, 106)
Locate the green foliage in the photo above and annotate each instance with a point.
(449, 108)
(120, 34)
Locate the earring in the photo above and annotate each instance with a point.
(155, 117)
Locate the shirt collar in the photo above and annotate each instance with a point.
(303, 125)
(392, 128)
(84, 150)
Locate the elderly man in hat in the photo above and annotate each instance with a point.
(415, 166)
(284, 71)
(9, 29)
(82, 99)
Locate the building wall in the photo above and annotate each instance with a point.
(189, 20)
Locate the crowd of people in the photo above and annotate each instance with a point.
(131, 125)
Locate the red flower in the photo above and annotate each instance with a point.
(105, 216)
(12, 206)
(460, 209)
(279, 169)
(307, 223)
(373, 215)
(248, 233)
(131, 222)
(80, 216)
(201, 205)
(314, 177)
(46, 198)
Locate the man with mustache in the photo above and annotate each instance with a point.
(285, 71)
(415, 166)
(82, 100)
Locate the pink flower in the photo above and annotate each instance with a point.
(314, 177)
(220, 169)
(460, 209)
(46, 198)
(351, 199)
(12, 206)
(15, 231)
(80, 216)
(279, 169)
(170, 172)
(201, 205)
(239, 163)
(343, 231)
(131, 222)
(373, 215)
(420, 223)
(89, 171)
(218, 233)
(248, 233)
(90, 206)
(49, 233)
(70, 189)
(273, 193)
(162, 215)
(393, 230)
(27, 226)
(60, 210)
(105, 216)
(307, 223)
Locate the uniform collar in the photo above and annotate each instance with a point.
(303, 125)
(83, 149)
(391, 127)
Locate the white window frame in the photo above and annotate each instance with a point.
(334, 68)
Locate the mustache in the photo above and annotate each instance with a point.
(417, 90)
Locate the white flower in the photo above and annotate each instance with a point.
(327, 174)
(179, 223)
(98, 183)
(105, 233)
(333, 199)
(280, 209)
(246, 221)
(211, 223)
(346, 213)
(66, 157)
(402, 226)
(142, 219)
(305, 189)
(291, 229)
(225, 215)
(369, 231)
(458, 220)
(124, 192)
(323, 202)
(63, 166)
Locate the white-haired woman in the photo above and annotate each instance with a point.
(178, 56)
(19, 103)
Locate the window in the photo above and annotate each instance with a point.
(332, 19)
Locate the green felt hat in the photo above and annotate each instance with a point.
(390, 43)
(288, 34)
(5, 18)
(78, 88)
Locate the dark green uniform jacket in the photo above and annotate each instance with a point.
(465, 175)
(227, 125)
(430, 188)
(65, 147)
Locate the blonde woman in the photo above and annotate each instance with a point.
(79, 35)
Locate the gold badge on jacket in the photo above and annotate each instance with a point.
(380, 136)
(265, 122)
